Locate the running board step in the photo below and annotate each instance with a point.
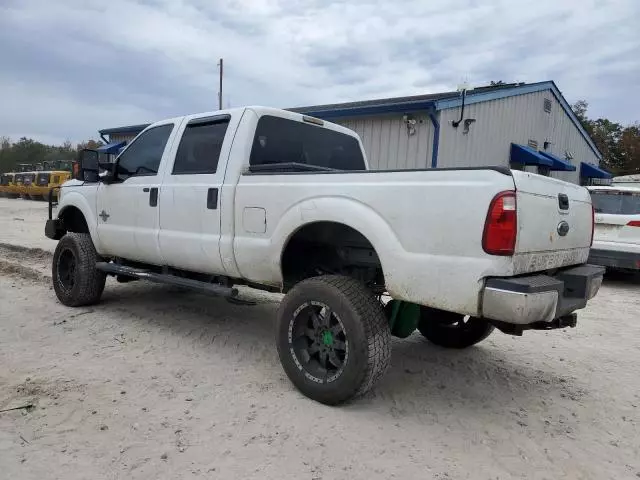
(210, 288)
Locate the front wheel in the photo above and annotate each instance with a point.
(452, 330)
(76, 280)
(333, 338)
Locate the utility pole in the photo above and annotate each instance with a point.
(220, 91)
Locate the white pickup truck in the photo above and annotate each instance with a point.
(280, 201)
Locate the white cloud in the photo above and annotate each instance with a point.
(85, 65)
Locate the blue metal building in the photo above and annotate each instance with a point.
(525, 126)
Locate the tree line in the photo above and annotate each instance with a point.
(619, 144)
(27, 150)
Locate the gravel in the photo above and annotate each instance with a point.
(552, 404)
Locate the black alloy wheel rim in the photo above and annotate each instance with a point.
(318, 342)
(67, 269)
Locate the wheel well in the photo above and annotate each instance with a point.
(321, 248)
(73, 220)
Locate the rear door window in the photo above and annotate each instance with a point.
(200, 147)
(616, 202)
(279, 140)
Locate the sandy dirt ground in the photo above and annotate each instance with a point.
(158, 383)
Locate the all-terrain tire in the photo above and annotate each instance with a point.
(366, 336)
(452, 330)
(81, 284)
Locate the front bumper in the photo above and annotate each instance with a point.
(540, 298)
(615, 259)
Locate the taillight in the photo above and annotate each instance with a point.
(634, 223)
(593, 224)
(501, 226)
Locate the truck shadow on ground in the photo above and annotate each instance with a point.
(621, 279)
(423, 378)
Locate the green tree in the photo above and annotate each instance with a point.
(580, 109)
(27, 150)
(619, 145)
(606, 135)
(630, 149)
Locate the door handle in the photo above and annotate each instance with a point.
(153, 197)
(212, 198)
(563, 201)
(145, 189)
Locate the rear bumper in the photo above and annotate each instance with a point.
(615, 259)
(540, 298)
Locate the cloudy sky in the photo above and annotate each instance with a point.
(71, 67)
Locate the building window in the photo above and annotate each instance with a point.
(547, 105)
(543, 170)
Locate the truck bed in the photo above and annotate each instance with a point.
(426, 225)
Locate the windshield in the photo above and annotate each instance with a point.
(28, 178)
(616, 202)
(43, 178)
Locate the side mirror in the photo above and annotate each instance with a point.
(89, 167)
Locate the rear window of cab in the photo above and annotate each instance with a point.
(280, 140)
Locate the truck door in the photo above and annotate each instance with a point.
(190, 196)
(128, 209)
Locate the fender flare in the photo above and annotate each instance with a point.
(342, 210)
(76, 200)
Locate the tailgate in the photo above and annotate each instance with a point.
(554, 223)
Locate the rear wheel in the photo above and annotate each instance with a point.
(76, 280)
(333, 338)
(452, 330)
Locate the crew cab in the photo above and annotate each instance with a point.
(616, 243)
(280, 201)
